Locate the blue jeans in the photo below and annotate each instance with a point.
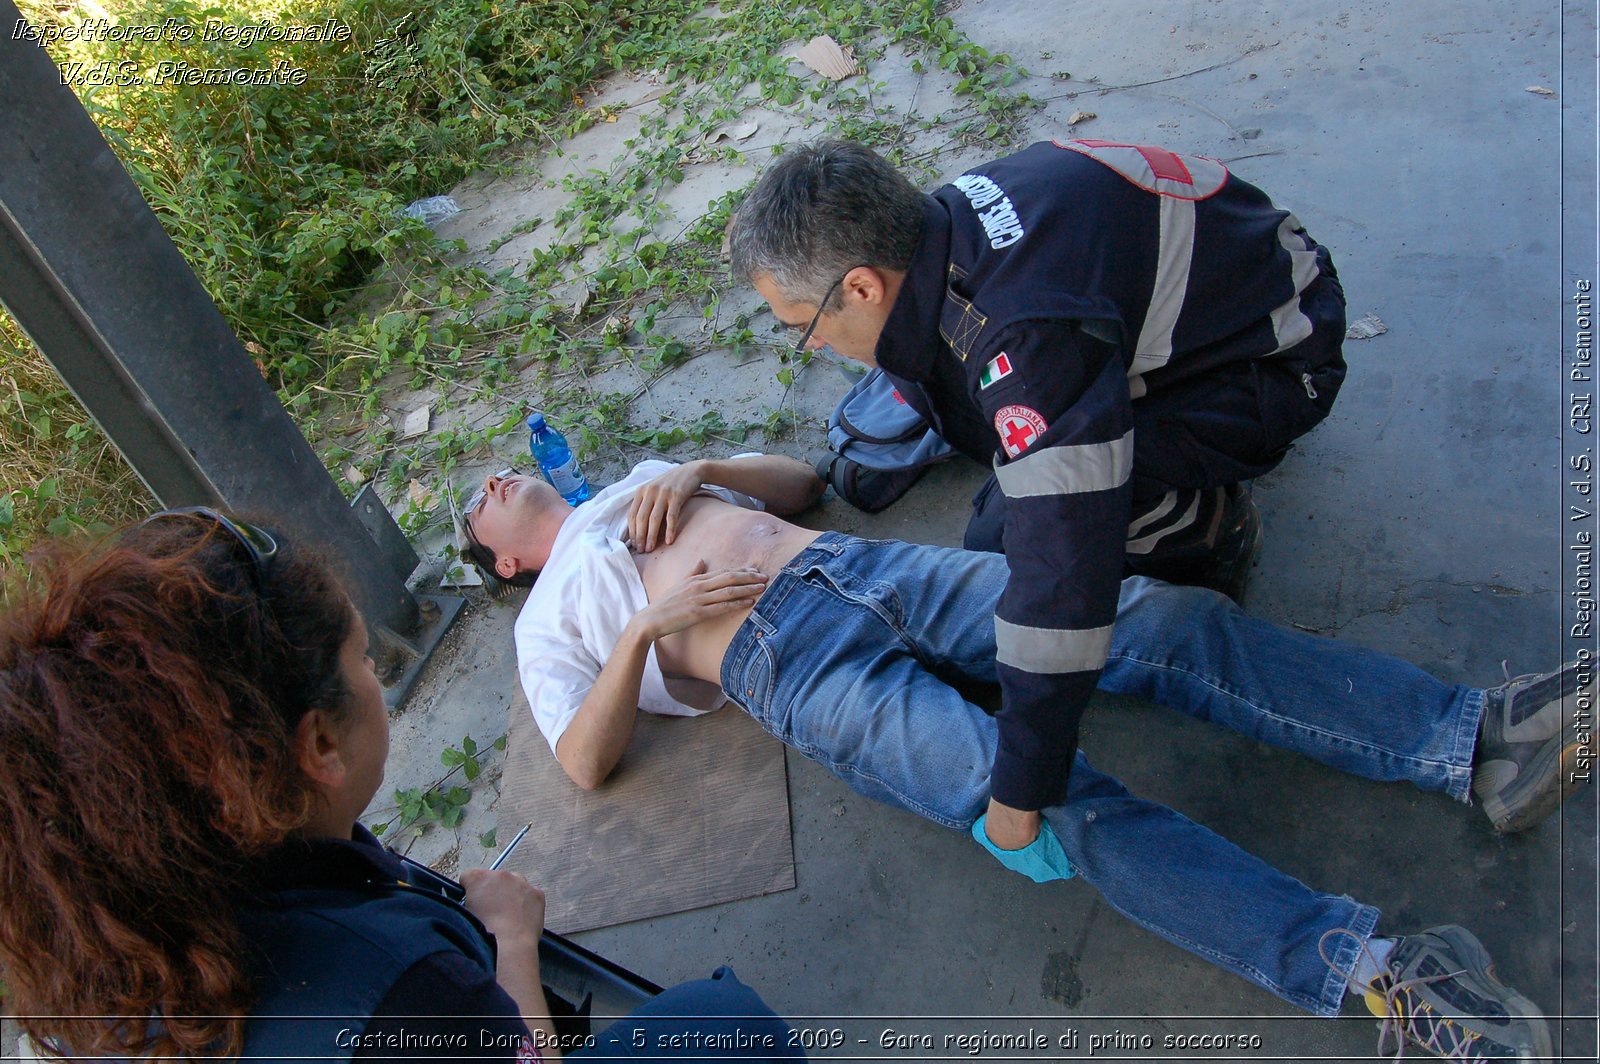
(846, 658)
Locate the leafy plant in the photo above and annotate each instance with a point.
(467, 757)
(446, 807)
(286, 200)
(438, 803)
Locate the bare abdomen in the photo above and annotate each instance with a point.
(724, 536)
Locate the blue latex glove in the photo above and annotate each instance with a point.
(1041, 860)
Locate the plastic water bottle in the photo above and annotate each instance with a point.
(556, 460)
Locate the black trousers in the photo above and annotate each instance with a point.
(1197, 440)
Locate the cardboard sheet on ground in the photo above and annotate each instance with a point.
(697, 813)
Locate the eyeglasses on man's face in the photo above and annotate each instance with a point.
(475, 503)
(805, 336)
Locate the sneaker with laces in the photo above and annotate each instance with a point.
(1526, 762)
(1438, 992)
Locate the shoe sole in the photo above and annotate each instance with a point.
(1544, 783)
(1502, 805)
(1481, 967)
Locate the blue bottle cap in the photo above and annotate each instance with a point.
(536, 422)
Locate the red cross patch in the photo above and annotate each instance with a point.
(1018, 427)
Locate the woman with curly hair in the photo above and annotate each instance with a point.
(189, 727)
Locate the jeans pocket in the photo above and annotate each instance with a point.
(878, 596)
(756, 680)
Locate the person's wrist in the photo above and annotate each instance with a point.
(1010, 828)
(517, 942)
(642, 629)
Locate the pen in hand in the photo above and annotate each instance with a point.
(500, 860)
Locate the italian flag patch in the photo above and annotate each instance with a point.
(997, 370)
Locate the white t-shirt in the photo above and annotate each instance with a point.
(584, 597)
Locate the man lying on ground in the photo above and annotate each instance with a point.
(676, 589)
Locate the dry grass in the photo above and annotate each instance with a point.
(58, 472)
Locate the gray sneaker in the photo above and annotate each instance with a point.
(1526, 763)
(1438, 992)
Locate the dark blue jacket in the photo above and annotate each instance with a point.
(347, 959)
(1050, 291)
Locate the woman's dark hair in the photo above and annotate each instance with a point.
(149, 692)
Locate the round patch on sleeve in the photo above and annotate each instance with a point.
(1018, 427)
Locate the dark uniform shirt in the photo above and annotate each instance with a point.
(1051, 289)
(351, 964)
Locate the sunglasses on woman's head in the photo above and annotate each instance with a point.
(257, 541)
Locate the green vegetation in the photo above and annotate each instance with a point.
(286, 199)
(419, 808)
